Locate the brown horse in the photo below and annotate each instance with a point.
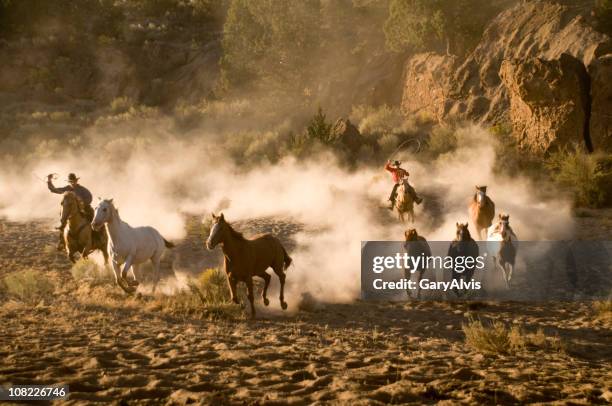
(79, 236)
(482, 211)
(246, 258)
(404, 203)
(463, 246)
(416, 246)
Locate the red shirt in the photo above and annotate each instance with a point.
(396, 173)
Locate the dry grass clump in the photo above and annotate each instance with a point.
(380, 121)
(28, 286)
(86, 270)
(491, 339)
(603, 309)
(121, 104)
(496, 338)
(207, 296)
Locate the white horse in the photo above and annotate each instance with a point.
(129, 246)
(502, 243)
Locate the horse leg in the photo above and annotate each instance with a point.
(86, 251)
(266, 277)
(456, 275)
(510, 269)
(88, 246)
(249, 283)
(118, 280)
(233, 283)
(281, 277)
(133, 272)
(105, 254)
(502, 268)
(421, 272)
(156, 260)
(126, 266)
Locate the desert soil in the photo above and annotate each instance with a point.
(114, 349)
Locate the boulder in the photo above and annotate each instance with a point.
(549, 101)
(601, 103)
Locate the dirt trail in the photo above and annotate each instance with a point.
(115, 350)
(384, 352)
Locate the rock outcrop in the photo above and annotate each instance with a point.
(601, 103)
(548, 101)
(426, 85)
(520, 48)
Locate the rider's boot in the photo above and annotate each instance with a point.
(418, 199)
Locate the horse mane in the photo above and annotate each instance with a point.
(236, 234)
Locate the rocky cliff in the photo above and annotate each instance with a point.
(540, 66)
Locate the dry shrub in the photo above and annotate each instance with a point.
(379, 121)
(86, 270)
(496, 338)
(490, 339)
(388, 143)
(603, 309)
(29, 286)
(212, 287)
(442, 140)
(121, 104)
(208, 297)
(586, 176)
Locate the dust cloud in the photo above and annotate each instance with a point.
(156, 180)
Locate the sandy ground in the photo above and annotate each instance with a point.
(117, 350)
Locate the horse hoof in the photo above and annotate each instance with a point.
(284, 305)
(266, 301)
(133, 283)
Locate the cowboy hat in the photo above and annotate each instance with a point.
(72, 177)
(397, 163)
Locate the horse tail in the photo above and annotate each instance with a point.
(287, 260)
(167, 243)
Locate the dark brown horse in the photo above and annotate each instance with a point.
(463, 246)
(79, 236)
(482, 211)
(246, 258)
(416, 246)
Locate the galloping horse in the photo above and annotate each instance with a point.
(463, 246)
(482, 211)
(78, 235)
(416, 246)
(404, 203)
(129, 246)
(503, 242)
(244, 258)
